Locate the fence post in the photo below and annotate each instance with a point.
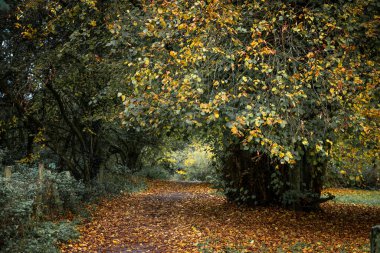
(7, 174)
(57, 198)
(41, 169)
(375, 239)
(101, 176)
(8, 171)
(40, 179)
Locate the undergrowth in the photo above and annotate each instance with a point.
(35, 213)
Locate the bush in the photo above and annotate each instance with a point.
(196, 162)
(153, 173)
(62, 191)
(26, 204)
(352, 173)
(17, 202)
(113, 183)
(25, 201)
(43, 237)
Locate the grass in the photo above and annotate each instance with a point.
(353, 196)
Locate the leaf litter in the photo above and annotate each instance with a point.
(187, 217)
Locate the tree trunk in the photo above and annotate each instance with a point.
(256, 179)
(248, 177)
(375, 239)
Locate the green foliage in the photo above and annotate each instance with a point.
(3, 6)
(277, 79)
(153, 173)
(355, 172)
(241, 195)
(181, 158)
(69, 191)
(17, 201)
(69, 109)
(113, 184)
(200, 165)
(25, 201)
(43, 237)
(196, 161)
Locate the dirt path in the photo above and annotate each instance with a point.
(181, 217)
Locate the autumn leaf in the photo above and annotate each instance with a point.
(180, 217)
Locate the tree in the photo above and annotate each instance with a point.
(275, 78)
(61, 78)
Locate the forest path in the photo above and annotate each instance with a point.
(174, 217)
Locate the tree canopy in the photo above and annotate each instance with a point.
(280, 86)
(281, 80)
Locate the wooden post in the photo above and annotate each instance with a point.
(375, 239)
(8, 172)
(101, 176)
(41, 169)
(39, 193)
(57, 198)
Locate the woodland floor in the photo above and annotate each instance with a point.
(172, 217)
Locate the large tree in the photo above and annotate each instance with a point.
(62, 72)
(275, 78)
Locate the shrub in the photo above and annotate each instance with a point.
(26, 204)
(17, 202)
(113, 183)
(43, 237)
(196, 162)
(25, 201)
(153, 173)
(62, 191)
(352, 173)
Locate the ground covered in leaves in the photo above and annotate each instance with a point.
(191, 217)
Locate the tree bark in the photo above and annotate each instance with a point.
(256, 179)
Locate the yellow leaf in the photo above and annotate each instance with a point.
(310, 55)
(173, 54)
(234, 130)
(216, 114)
(182, 26)
(254, 43)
